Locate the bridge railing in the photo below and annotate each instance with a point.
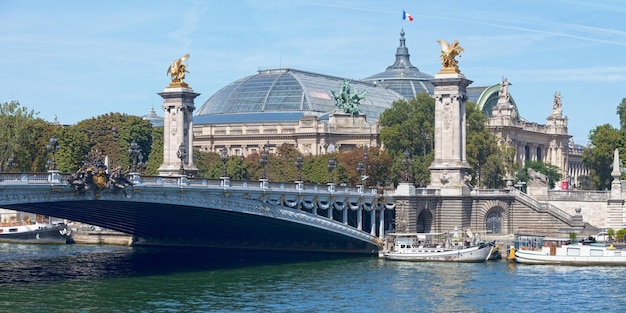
(227, 183)
(58, 178)
(24, 178)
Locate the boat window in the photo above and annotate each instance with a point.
(596, 252)
(617, 253)
(573, 251)
(12, 230)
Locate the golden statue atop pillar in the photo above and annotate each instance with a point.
(448, 54)
(177, 71)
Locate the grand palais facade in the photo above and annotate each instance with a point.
(289, 106)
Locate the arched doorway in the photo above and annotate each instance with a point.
(493, 221)
(424, 222)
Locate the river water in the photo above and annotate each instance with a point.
(89, 278)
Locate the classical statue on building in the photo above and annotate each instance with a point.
(177, 71)
(348, 99)
(448, 54)
(503, 93)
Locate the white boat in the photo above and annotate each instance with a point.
(531, 249)
(426, 247)
(34, 233)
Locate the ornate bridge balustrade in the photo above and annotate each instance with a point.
(216, 213)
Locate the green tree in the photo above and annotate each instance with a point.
(23, 137)
(621, 112)
(599, 157)
(481, 145)
(74, 147)
(113, 133)
(409, 126)
(155, 158)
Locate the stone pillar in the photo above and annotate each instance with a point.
(178, 109)
(616, 185)
(450, 168)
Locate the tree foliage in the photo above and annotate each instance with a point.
(482, 146)
(599, 157)
(621, 112)
(112, 134)
(23, 137)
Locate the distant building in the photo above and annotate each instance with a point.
(289, 106)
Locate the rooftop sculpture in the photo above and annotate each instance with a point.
(448, 54)
(348, 99)
(177, 71)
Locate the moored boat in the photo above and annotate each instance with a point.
(34, 233)
(545, 250)
(425, 247)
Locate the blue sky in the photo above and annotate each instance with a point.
(80, 59)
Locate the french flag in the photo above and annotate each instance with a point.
(407, 16)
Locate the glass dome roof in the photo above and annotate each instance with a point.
(402, 76)
(289, 90)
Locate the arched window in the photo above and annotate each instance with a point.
(493, 222)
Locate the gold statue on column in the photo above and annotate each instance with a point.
(448, 54)
(177, 71)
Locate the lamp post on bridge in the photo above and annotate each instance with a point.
(134, 151)
(299, 163)
(365, 157)
(263, 161)
(224, 157)
(53, 147)
(332, 164)
(407, 173)
(11, 163)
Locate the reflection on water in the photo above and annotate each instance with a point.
(75, 278)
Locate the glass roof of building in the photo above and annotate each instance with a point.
(402, 76)
(291, 90)
(285, 94)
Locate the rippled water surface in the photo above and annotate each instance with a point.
(79, 278)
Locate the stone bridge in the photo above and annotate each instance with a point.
(181, 211)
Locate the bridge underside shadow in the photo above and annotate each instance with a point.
(183, 225)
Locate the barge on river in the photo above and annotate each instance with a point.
(431, 247)
(532, 249)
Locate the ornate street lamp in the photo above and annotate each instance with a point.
(407, 175)
(365, 157)
(11, 163)
(359, 169)
(140, 165)
(224, 157)
(264, 160)
(134, 151)
(299, 164)
(332, 164)
(181, 154)
(53, 147)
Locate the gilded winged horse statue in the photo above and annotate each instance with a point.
(448, 54)
(177, 71)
